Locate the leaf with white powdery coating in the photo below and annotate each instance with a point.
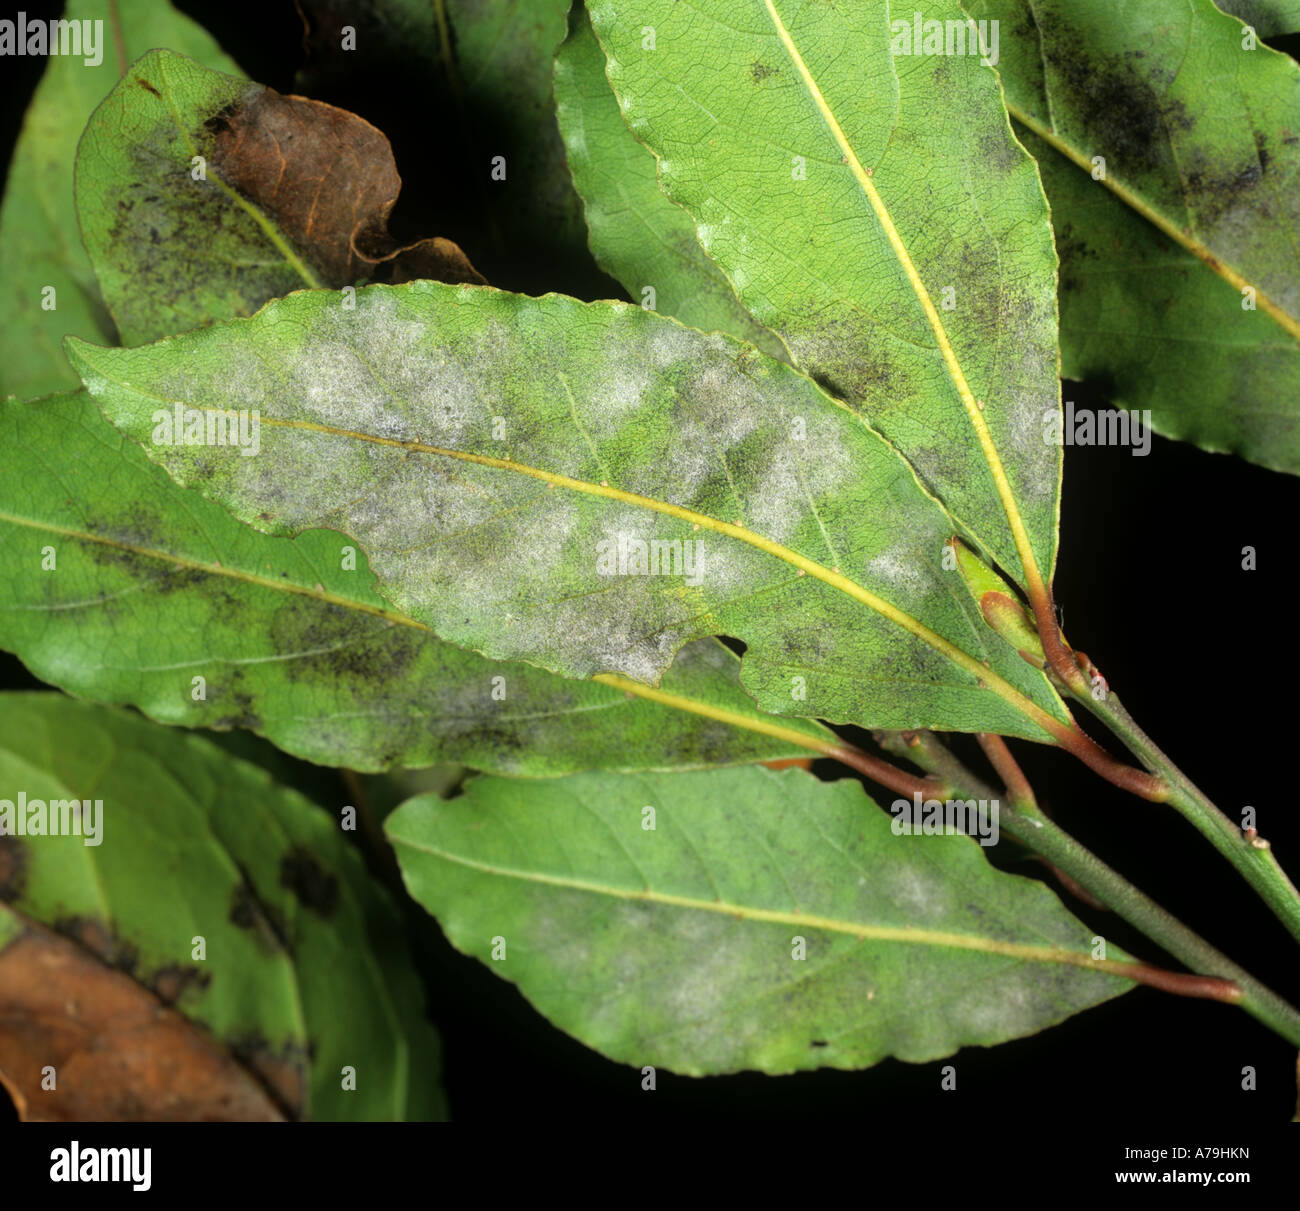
(499, 457)
(153, 586)
(675, 945)
(874, 210)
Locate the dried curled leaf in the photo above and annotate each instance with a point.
(118, 1054)
(202, 196)
(327, 179)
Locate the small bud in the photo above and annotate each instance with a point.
(998, 603)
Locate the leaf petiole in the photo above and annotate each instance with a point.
(1245, 849)
(1038, 833)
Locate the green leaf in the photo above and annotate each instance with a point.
(1268, 18)
(874, 210)
(497, 456)
(673, 945)
(637, 235)
(173, 250)
(39, 242)
(152, 586)
(1200, 140)
(305, 971)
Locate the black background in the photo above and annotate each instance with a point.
(1150, 585)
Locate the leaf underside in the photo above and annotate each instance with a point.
(636, 234)
(676, 945)
(40, 245)
(1200, 142)
(305, 971)
(490, 452)
(153, 586)
(877, 214)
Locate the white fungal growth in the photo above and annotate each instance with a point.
(915, 895)
(898, 566)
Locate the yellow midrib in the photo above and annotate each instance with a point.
(269, 229)
(905, 935)
(1020, 535)
(836, 580)
(1289, 323)
(828, 747)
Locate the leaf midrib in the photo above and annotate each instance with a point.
(278, 240)
(837, 580)
(1034, 582)
(213, 568)
(904, 935)
(1184, 239)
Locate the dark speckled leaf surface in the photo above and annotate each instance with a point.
(154, 586)
(305, 969)
(1199, 130)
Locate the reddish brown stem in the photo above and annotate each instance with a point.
(1127, 777)
(1182, 985)
(1062, 661)
(1022, 795)
(1059, 657)
(1013, 778)
(890, 775)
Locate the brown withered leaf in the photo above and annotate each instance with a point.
(490, 83)
(202, 196)
(327, 179)
(119, 1054)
